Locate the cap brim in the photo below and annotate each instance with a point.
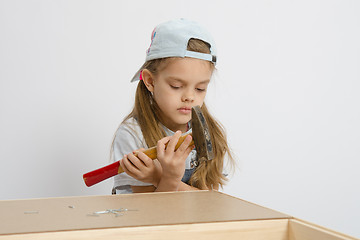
(136, 76)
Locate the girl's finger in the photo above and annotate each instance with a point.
(145, 159)
(128, 168)
(129, 165)
(173, 141)
(188, 150)
(164, 140)
(122, 164)
(136, 161)
(185, 144)
(160, 146)
(139, 150)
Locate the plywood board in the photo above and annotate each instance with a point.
(254, 230)
(151, 209)
(301, 230)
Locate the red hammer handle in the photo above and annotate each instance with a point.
(101, 174)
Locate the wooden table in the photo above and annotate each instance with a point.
(175, 215)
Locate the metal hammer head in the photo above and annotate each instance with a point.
(201, 135)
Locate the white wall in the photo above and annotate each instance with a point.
(287, 92)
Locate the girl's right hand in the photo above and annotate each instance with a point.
(172, 161)
(141, 167)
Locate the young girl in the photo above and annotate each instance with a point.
(178, 68)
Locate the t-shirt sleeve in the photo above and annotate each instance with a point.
(128, 138)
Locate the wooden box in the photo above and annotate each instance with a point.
(177, 215)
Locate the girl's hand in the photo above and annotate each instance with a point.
(172, 161)
(142, 167)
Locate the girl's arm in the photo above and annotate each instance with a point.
(143, 189)
(182, 187)
(185, 187)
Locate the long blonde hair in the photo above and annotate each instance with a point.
(209, 174)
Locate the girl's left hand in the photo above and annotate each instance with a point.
(173, 161)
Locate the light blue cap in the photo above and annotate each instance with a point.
(170, 39)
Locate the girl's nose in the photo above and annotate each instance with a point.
(188, 96)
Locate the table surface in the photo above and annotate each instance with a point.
(148, 209)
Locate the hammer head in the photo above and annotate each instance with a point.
(201, 135)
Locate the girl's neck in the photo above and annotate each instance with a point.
(183, 128)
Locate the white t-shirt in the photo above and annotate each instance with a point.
(128, 138)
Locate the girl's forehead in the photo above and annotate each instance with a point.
(179, 68)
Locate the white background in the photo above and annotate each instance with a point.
(287, 91)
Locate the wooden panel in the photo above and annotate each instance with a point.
(251, 230)
(301, 230)
(71, 213)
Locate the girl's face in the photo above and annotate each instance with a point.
(178, 87)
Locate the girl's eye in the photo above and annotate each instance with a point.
(200, 89)
(174, 87)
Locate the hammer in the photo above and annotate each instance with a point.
(201, 139)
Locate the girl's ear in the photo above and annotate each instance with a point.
(147, 78)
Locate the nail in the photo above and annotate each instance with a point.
(31, 212)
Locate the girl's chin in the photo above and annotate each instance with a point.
(183, 127)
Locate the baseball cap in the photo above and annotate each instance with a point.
(170, 39)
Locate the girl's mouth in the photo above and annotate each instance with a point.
(184, 110)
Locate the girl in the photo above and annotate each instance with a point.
(174, 78)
